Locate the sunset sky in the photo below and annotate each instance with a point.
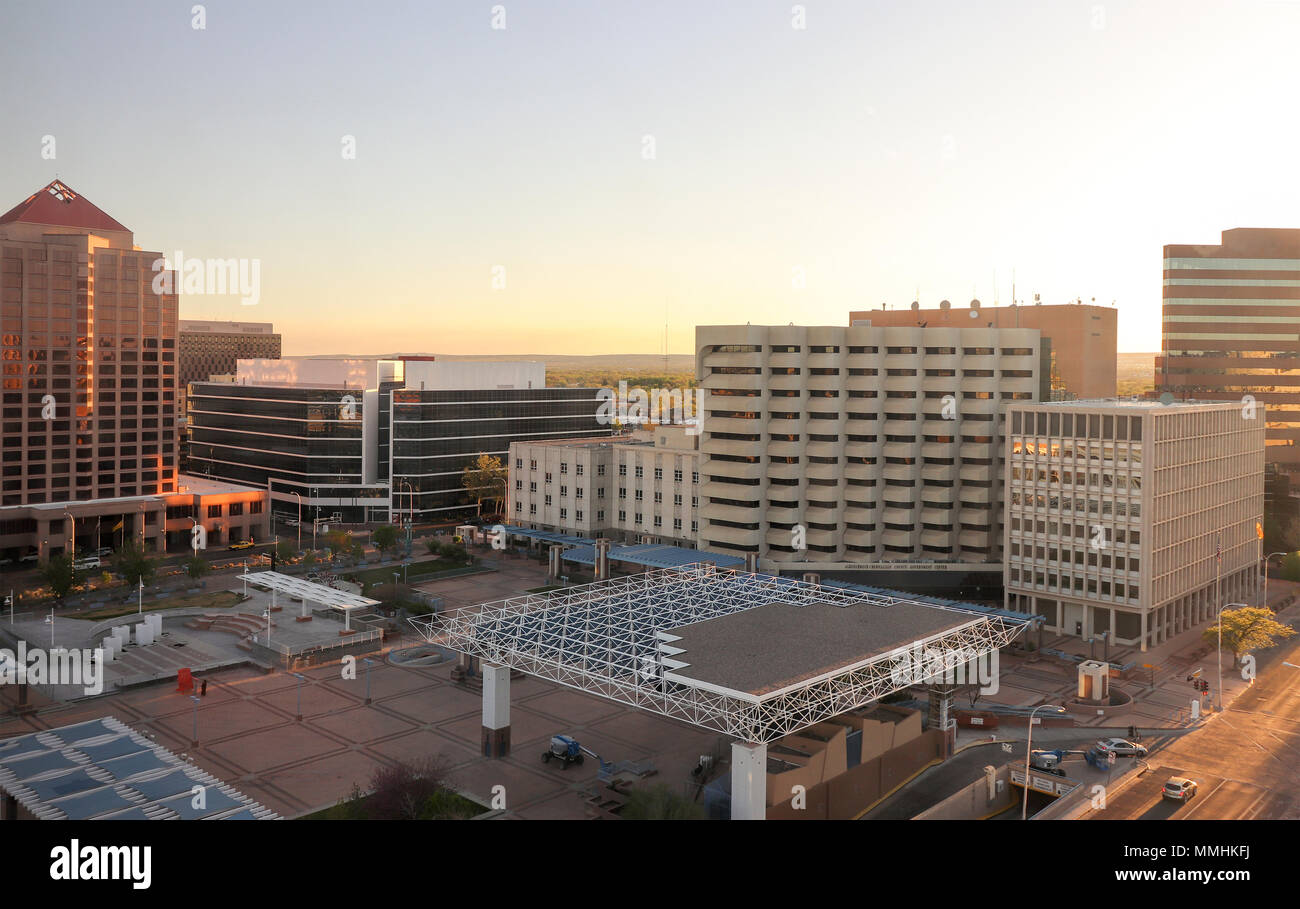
(884, 148)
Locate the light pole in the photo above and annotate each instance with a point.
(315, 517)
(50, 620)
(194, 537)
(9, 601)
(1266, 558)
(268, 627)
(1029, 749)
(1218, 695)
(140, 595)
(367, 662)
(195, 742)
(301, 678)
(73, 550)
(299, 495)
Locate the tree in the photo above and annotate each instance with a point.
(485, 480)
(660, 803)
(285, 550)
(338, 541)
(453, 553)
(384, 537)
(432, 544)
(1291, 566)
(1246, 630)
(196, 566)
(406, 790)
(132, 562)
(59, 574)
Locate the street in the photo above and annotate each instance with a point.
(1246, 760)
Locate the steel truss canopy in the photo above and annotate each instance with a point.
(753, 656)
(308, 591)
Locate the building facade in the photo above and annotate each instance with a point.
(846, 447)
(88, 343)
(1229, 328)
(1080, 339)
(637, 488)
(215, 348)
(364, 440)
(1125, 517)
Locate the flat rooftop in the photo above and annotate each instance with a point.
(190, 484)
(768, 648)
(1127, 404)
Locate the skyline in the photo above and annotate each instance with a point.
(522, 148)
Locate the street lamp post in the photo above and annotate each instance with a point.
(1218, 695)
(1266, 558)
(299, 495)
(69, 516)
(9, 601)
(1029, 749)
(195, 742)
(300, 677)
(140, 597)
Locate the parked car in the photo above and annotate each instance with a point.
(1179, 788)
(31, 558)
(89, 563)
(103, 552)
(1122, 748)
(242, 544)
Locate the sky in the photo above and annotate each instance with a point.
(601, 177)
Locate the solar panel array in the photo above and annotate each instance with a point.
(104, 770)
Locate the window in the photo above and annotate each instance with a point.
(214, 511)
(659, 473)
(236, 509)
(564, 467)
(640, 471)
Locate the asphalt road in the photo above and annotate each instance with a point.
(1246, 760)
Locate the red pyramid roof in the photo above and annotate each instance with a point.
(59, 206)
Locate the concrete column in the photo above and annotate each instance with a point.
(69, 535)
(496, 711)
(748, 781)
(602, 559)
(751, 562)
(556, 562)
(1143, 636)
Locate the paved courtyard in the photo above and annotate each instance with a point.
(248, 735)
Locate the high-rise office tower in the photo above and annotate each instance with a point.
(89, 356)
(1231, 328)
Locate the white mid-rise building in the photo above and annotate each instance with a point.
(853, 447)
(1132, 519)
(637, 488)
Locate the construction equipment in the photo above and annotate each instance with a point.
(567, 750)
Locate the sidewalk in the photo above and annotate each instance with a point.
(1162, 695)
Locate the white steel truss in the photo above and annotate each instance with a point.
(611, 638)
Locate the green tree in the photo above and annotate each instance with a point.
(660, 803)
(485, 480)
(285, 550)
(338, 541)
(133, 563)
(1246, 630)
(59, 574)
(432, 544)
(453, 553)
(1291, 566)
(384, 537)
(196, 566)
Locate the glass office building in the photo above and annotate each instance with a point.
(1231, 329)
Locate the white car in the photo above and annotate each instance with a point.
(1122, 748)
(89, 563)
